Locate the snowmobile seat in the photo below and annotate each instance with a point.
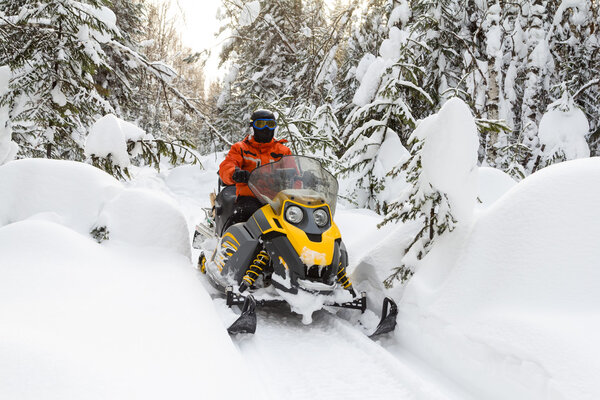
(224, 205)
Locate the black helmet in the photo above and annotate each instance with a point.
(264, 133)
(261, 114)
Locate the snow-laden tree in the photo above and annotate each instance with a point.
(52, 95)
(442, 173)
(562, 132)
(8, 148)
(162, 106)
(282, 55)
(114, 144)
(382, 112)
(366, 35)
(576, 48)
(71, 64)
(535, 51)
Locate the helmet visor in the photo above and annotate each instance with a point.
(262, 123)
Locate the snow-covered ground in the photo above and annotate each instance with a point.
(504, 308)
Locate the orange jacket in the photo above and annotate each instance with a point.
(249, 154)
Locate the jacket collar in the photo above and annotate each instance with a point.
(249, 139)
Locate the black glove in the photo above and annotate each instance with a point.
(241, 175)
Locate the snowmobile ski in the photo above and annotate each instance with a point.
(388, 318)
(246, 323)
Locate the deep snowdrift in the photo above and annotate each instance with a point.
(510, 308)
(124, 319)
(84, 198)
(81, 320)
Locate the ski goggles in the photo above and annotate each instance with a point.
(264, 123)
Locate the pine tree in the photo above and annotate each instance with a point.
(382, 113)
(423, 203)
(366, 36)
(57, 53)
(442, 181)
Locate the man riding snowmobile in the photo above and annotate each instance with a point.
(244, 156)
(277, 238)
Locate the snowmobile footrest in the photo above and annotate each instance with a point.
(246, 323)
(356, 304)
(389, 313)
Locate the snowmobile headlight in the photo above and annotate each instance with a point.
(294, 214)
(321, 217)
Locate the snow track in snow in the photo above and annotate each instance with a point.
(327, 359)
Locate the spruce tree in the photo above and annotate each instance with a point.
(53, 97)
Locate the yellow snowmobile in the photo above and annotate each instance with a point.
(288, 249)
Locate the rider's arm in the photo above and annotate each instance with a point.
(227, 168)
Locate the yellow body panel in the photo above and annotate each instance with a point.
(311, 253)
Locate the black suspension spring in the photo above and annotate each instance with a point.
(261, 261)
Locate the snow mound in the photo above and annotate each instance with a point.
(83, 198)
(518, 293)
(68, 192)
(148, 219)
(493, 183)
(85, 321)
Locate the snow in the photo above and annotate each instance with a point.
(363, 66)
(493, 184)
(504, 307)
(58, 96)
(83, 198)
(400, 14)
(509, 306)
(449, 156)
(249, 13)
(146, 219)
(164, 71)
(391, 47)
(370, 81)
(86, 321)
(371, 69)
(109, 136)
(306, 31)
(391, 154)
(103, 14)
(563, 129)
(69, 192)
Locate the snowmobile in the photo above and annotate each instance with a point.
(288, 249)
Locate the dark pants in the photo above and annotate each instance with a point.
(243, 209)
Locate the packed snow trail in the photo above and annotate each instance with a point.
(326, 359)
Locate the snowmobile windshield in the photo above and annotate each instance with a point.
(298, 178)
